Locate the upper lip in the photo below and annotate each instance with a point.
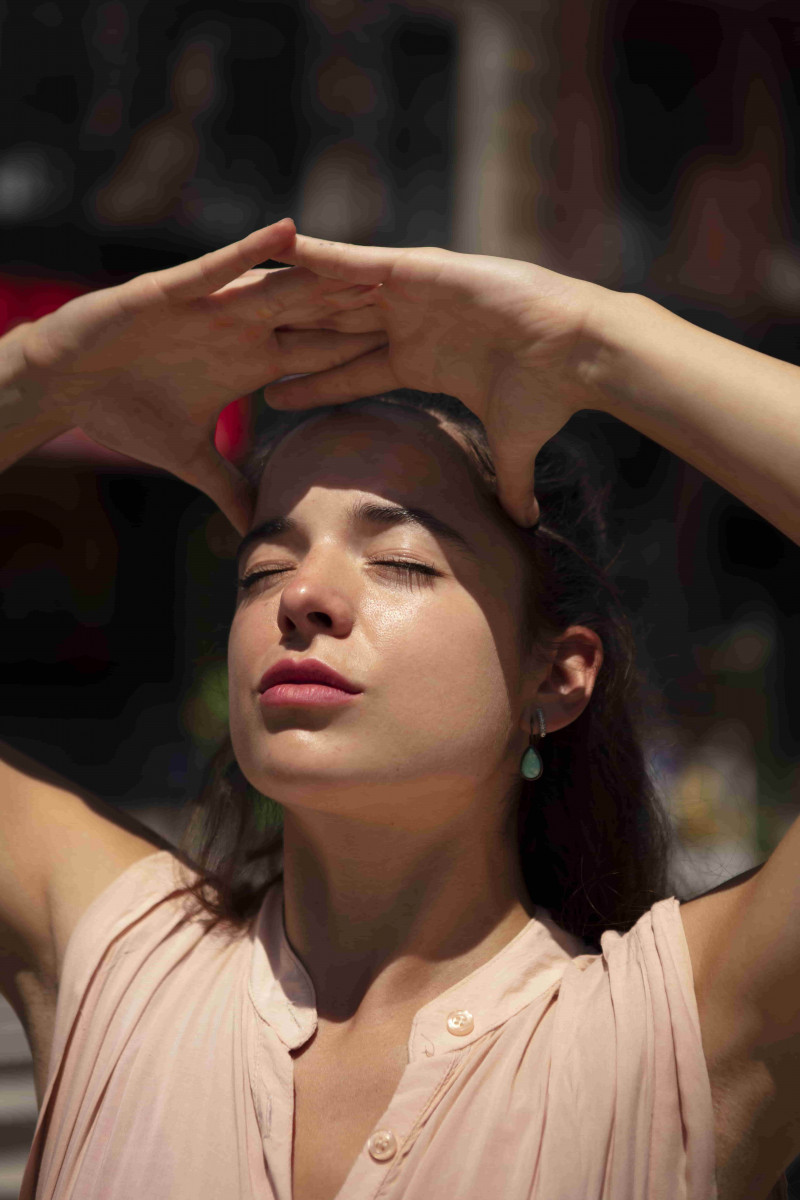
(305, 670)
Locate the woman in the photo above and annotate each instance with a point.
(402, 1015)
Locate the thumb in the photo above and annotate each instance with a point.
(514, 464)
(227, 487)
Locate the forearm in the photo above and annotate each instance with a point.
(26, 418)
(729, 411)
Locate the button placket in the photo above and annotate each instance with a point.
(460, 1022)
(382, 1146)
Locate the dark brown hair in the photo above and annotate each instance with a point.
(594, 840)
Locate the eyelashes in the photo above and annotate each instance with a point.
(405, 566)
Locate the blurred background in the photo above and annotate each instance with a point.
(646, 145)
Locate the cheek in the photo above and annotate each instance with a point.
(442, 682)
(444, 675)
(246, 648)
(236, 643)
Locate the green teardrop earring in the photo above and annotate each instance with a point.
(531, 766)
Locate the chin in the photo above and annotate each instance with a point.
(291, 778)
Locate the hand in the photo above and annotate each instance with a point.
(513, 341)
(145, 368)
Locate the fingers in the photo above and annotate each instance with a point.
(284, 285)
(304, 351)
(287, 295)
(294, 307)
(364, 376)
(211, 272)
(340, 260)
(360, 320)
(360, 295)
(514, 462)
(219, 479)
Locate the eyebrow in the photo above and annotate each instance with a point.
(366, 512)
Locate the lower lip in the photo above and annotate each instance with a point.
(306, 694)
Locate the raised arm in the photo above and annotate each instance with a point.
(730, 411)
(525, 348)
(144, 368)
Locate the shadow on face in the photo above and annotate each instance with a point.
(376, 551)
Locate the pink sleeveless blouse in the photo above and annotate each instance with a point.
(550, 1073)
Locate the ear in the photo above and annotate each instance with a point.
(569, 679)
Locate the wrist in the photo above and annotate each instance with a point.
(648, 359)
(16, 375)
(29, 415)
(619, 328)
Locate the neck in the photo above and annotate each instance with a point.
(385, 916)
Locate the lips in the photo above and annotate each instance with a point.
(307, 670)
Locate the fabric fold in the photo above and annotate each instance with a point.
(171, 1073)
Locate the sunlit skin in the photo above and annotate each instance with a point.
(400, 873)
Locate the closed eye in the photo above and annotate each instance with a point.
(247, 581)
(401, 564)
(407, 564)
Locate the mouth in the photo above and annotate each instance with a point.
(303, 682)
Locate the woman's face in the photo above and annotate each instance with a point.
(438, 721)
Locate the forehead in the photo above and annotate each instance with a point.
(397, 454)
(406, 459)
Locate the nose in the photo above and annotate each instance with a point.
(315, 601)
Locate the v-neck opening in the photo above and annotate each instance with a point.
(352, 1185)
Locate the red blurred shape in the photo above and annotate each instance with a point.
(28, 299)
(232, 437)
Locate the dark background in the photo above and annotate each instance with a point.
(647, 145)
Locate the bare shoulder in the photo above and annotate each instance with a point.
(713, 916)
(60, 848)
(755, 1087)
(94, 844)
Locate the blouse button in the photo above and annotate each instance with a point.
(382, 1145)
(460, 1023)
